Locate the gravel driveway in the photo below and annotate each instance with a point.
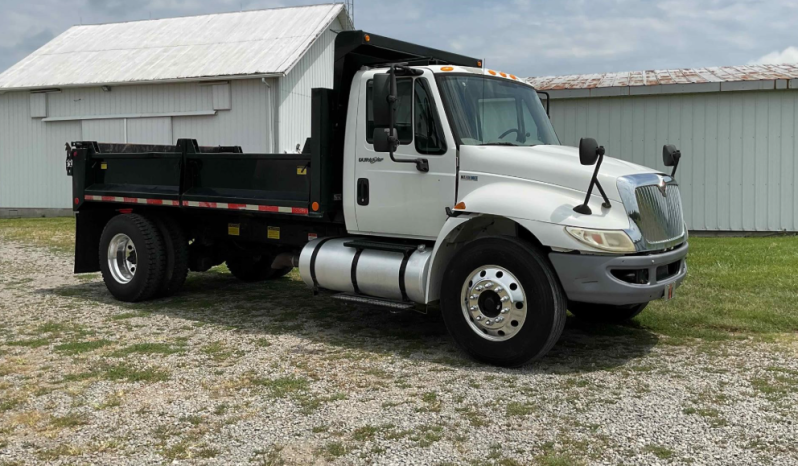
(229, 372)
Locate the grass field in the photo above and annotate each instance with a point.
(736, 287)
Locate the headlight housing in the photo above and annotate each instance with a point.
(606, 240)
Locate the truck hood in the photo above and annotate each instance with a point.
(555, 165)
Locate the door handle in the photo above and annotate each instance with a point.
(363, 191)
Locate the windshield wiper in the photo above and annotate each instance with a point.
(500, 144)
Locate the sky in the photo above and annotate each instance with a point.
(523, 37)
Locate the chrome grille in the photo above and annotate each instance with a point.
(656, 219)
(660, 217)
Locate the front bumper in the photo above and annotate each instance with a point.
(590, 279)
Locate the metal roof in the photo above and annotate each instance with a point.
(723, 74)
(262, 42)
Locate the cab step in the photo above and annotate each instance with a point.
(396, 305)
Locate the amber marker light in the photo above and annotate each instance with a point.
(447, 68)
(492, 72)
(513, 76)
(479, 63)
(315, 206)
(504, 75)
(460, 206)
(367, 38)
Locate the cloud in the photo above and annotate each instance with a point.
(788, 55)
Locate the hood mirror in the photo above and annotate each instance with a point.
(670, 157)
(591, 153)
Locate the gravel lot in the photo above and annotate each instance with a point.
(268, 374)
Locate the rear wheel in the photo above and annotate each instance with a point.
(605, 313)
(132, 258)
(255, 268)
(501, 301)
(176, 247)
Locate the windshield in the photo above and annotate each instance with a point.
(491, 111)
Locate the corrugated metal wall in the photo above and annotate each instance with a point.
(32, 171)
(32, 156)
(315, 69)
(740, 156)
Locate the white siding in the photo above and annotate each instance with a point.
(247, 124)
(32, 151)
(315, 69)
(103, 130)
(738, 171)
(149, 131)
(32, 156)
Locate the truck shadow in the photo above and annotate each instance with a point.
(287, 307)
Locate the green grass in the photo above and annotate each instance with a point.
(734, 286)
(146, 348)
(54, 233)
(78, 347)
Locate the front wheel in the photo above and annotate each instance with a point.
(605, 313)
(502, 302)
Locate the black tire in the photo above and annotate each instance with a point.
(176, 246)
(605, 313)
(251, 269)
(150, 257)
(545, 306)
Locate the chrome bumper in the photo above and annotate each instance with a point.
(590, 279)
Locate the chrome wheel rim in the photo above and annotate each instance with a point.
(122, 258)
(494, 303)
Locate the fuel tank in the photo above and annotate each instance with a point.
(358, 265)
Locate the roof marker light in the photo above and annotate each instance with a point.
(367, 38)
(492, 72)
(479, 63)
(504, 75)
(513, 76)
(447, 68)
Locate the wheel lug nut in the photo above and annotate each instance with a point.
(473, 308)
(498, 289)
(479, 288)
(473, 296)
(478, 318)
(488, 285)
(488, 322)
(505, 310)
(505, 299)
(500, 319)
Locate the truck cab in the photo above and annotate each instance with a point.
(428, 181)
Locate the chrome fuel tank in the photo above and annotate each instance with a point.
(330, 264)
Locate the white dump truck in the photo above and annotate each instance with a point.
(428, 180)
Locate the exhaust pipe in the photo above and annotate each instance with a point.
(285, 260)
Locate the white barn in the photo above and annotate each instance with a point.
(224, 79)
(736, 127)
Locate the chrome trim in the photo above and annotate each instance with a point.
(654, 205)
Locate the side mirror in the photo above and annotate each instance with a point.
(384, 94)
(383, 142)
(670, 155)
(589, 151)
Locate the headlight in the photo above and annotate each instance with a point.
(606, 240)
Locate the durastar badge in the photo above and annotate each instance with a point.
(469, 177)
(370, 159)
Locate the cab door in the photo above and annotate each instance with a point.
(396, 199)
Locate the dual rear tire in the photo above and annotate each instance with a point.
(142, 257)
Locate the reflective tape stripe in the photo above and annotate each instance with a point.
(205, 205)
